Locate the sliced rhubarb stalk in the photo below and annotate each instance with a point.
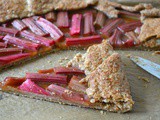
(37, 77)
(5, 51)
(129, 43)
(109, 28)
(88, 23)
(50, 16)
(13, 81)
(129, 14)
(115, 39)
(18, 24)
(76, 24)
(12, 58)
(22, 43)
(83, 40)
(33, 27)
(3, 45)
(75, 85)
(67, 94)
(46, 71)
(68, 71)
(1, 37)
(10, 31)
(54, 31)
(100, 19)
(30, 86)
(130, 26)
(37, 38)
(62, 20)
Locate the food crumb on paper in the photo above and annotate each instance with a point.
(128, 55)
(156, 53)
(102, 112)
(144, 79)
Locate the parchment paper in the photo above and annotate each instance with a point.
(146, 95)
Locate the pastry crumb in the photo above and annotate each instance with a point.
(156, 53)
(128, 55)
(144, 79)
(49, 61)
(145, 85)
(92, 101)
(102, 112)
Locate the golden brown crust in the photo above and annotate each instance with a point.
(92, 58)
(150, 29)
(107, 83)
(138, 7)
(24, 8)
(109, 8)
(151, 13)
(152, 43)
(13, 9)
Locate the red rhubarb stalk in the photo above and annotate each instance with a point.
(13, 81)
(33, 27)
(1, 37)
(46, 71)
(88, 23)
(67, 94)
(75, 85)
(12, 58)
(76, 24)
(129, 43)
(5, 51)
(129, 14)
(130, 26)
(68, 71)
(108, 29)
(83, 40)
(37, 38)
(50, 16)
(3, 45)
(10, 31)
(100, 19)
(22, 43)
(54, 31)
(18, 24)
(115, 39)
(62, 20)
(37, 77)
(30, 86)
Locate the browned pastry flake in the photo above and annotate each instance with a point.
(149, 29)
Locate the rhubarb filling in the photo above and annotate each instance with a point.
(67, 29)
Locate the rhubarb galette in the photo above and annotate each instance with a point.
(93, 80)
(31, 28)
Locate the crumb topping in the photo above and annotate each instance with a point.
(94, 56)
(106, 80)
(149, 29)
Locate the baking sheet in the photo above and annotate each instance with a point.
(146, 95)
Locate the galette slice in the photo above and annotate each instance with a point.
(100, 84)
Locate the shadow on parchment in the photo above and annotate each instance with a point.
(138, 87)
